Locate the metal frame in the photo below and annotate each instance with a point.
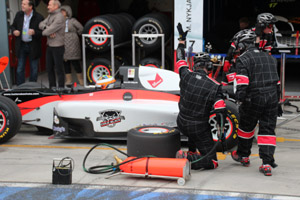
(145, 36)
(282, 72)
(4, 50)
(84, 55)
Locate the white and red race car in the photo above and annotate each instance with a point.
(144, 96)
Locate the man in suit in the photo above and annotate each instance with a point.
(28, 40)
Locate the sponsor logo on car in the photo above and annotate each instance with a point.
(109, 118)
(154, 83)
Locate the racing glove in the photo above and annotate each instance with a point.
(280, 111)
(226, 66)
(182, 34)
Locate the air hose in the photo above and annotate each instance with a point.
(216, 144)
(100, 169)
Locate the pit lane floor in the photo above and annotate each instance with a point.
(26, 171)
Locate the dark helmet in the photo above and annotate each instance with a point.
(265, 19)
(202, 60)
(238, 35)
(244, 39)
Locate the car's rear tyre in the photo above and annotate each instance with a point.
(10, 119)
(230, 129)
(159, 141)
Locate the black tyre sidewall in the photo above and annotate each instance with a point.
(164, 144)
(151, 62)
(151, 21)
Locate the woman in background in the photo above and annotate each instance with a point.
(72, 54)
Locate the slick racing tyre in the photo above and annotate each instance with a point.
(10, 119)
(153, 23)
(159, 141)
(118, 25)
(98, 68)
(151, 62)
(101, 26)
(230, 128)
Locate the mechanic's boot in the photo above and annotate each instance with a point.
(244, 160)
(193, 153)
(80, 78)
(266, 169)
(181, 154)
(185, 154)
(68, 79)
(215, 163)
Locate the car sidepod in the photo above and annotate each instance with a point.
(111, 113)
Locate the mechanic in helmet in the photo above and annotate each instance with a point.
(264, 31)
(258, 94)
(199, 95)
(265, 41)
(239, 43)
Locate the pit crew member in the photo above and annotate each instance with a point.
(264, 30)
(239, 42)
(199, 94)
(258, 94)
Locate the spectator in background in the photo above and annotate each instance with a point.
(54, 28)
(28, 40)
(72, 54)
(244, 23)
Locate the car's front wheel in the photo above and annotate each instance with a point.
(10, 119)
(230, 128)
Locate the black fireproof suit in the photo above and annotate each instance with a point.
(199, 94)
(258, 90)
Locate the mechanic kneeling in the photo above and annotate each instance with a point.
(199, 94)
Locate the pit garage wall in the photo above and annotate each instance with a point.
(4, 40)
(189, 14)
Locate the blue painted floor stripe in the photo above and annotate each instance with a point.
(9, 191)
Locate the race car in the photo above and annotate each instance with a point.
(140, 96)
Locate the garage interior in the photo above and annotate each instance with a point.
(220, 24)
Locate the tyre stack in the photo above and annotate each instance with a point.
(152, 23)
(118, 25)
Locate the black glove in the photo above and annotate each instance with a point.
(279, 112)
(182, 34)
(221, 117)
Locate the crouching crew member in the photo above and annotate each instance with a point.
(258, 94)
(199, 95)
